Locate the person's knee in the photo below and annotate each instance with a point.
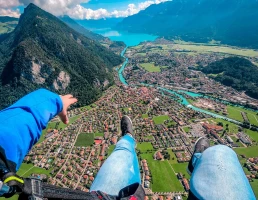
(220, 150)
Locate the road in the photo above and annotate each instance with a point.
(70, 150)
(78, 182)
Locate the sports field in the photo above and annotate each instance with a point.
(163, 176)
(150, 67)
(85, 140)
(160, 119)
(144, 146)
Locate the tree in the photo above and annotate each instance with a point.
(220, 124)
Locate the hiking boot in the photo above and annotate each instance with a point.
(126, 125)
(200, 145)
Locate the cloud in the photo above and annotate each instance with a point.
(7, 4)
(10, 12)
(73, 8)
(80, 12)
(56, 7)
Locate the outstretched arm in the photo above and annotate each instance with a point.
(22, 123)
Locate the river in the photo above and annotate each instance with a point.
(135, 39)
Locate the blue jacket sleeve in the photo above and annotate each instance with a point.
(22, 123)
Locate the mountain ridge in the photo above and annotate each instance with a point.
(43, 51)
(231, 22)
(115, 46)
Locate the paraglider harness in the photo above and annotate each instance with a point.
(35, 189)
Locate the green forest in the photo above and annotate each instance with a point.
(235, 72)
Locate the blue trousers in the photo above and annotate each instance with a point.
(218, 175)
(120, 170)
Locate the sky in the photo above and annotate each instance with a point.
(79, 9)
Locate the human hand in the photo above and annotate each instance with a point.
(67, 101)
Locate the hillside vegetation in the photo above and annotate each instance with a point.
(235, 72)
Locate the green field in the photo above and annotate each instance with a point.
(89, 107)
(181, 168)
(111, 149)
(252, 134)
(150, 67)
(125, 109)
(7, 27)
(172, 155)
(186, 129)
(140, 54)
(27, 169)
(248, 152)
(85, 140)
(145, 116)
(163, 177)
(255, 187)
(99, 134)
(144, 146)
(160, 119)
(235, 113)
(15, 197)
(202, 48)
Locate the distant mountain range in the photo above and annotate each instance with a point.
(7, 24)
(115, 46)
(43, 51)
(100, 23)
(73, 24)
(233, 22)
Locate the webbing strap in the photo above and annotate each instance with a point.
(13, 178)
(51, 191)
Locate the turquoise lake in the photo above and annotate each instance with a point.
(130, 39)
